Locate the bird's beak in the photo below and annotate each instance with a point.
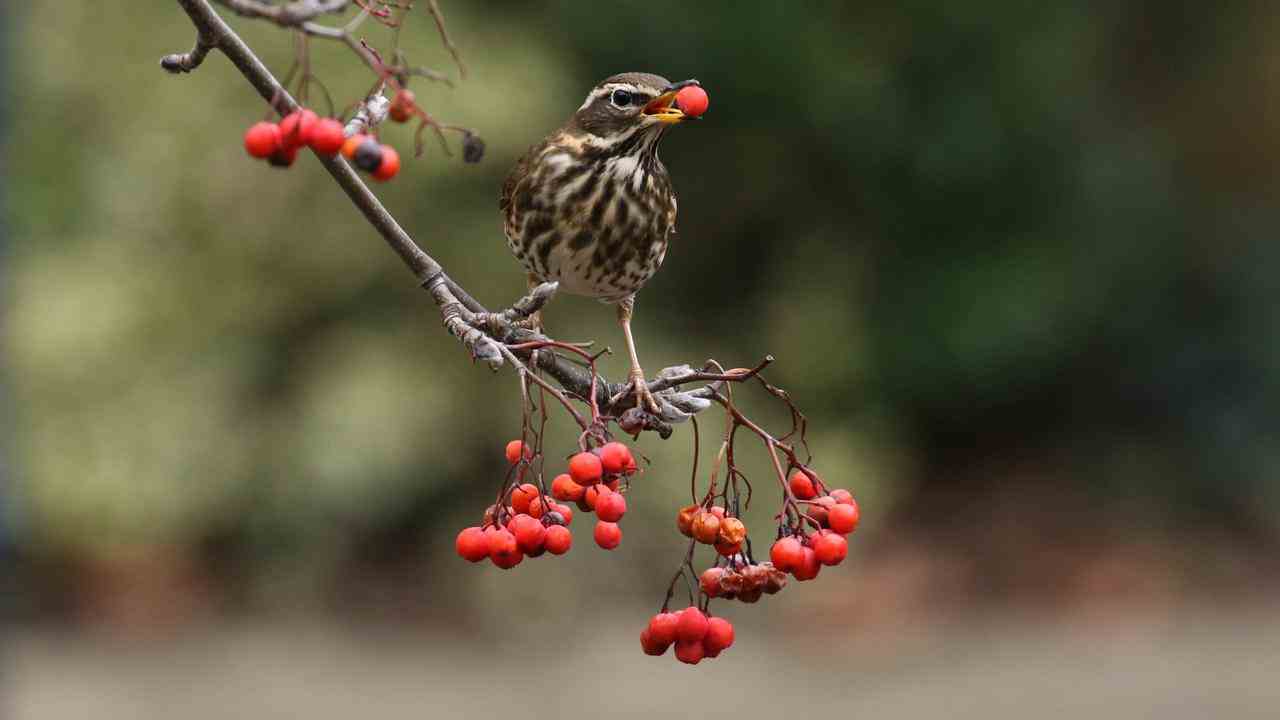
(663, 109)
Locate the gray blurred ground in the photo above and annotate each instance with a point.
(1199, 666)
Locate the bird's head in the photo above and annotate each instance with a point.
(624, 105)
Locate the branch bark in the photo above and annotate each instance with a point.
(487, 335)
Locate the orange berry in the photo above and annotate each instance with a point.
(802, 486)
(692, 100)
(611, 507)
(843, 518)
(732, 531)
(564, 488)
(503, 550)
(842, 496)
(515, 449)
(558, 540)
(529, 533)
(614, 457)
(808, 567)
(350, 145)
(327, 137)
(830, 547)
(607, 535)
(706, 527)
(585, 468)
(296, 128)
(564, 510)
(684, 519)
(786, 554)
(472, 545)
(521, 497)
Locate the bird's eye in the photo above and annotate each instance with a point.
(621, 98)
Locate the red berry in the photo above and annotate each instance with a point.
(786, 554)
(564, 488)
(262, 139)
(693, 100)
(692, 625)
(843, 518)
(389, 166)
(615, 457)
(521, 495)
(402, 106)
(808, 567)
(608, 535)
(631, 464)
(594, 493)
(585, 468)
(612, 483)
(472, 544)
(564, 511)
(351, 144)
(558, 540)
(719, 636)
(503, 550)
(802, 486)
(709, 581)
(662, 627)
(728, 549)
(296, 128)
(514, 449)
(842, 496)
(529, 533)
(689, 652)
(611, 507)
(327, 137)
(651, 646)
(283, 157)
(538, 507)
(820, 509)
(830, 547)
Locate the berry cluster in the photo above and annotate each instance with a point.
(279, 143)
(695, 635)
(527, 522)
(835, 513)
(711, 526)
(741, 580)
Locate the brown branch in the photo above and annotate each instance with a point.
(488, 336)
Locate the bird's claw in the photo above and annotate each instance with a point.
(644, 398)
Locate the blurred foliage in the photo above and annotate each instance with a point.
(970, 232)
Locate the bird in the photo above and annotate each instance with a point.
(592, 208)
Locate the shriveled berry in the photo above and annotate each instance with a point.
(262, 139)
(522, 495)
(472, 148)
(389, 166)
(692, 625)
(472, 545)
(732, 531)
(608, 535)
(684, 519)
(843, 518)
(614, 456)
(564, 488)
(786, 554)
(662, 627)
(585, 468)
(558, 540)
(692, 100)
(296, 128)
(709, 581)
(802, 486)
(830, 547)
(689, 652)
(515, 449)
(368, 155)
(651, 646)
(402, 106)
(808, 567)
(503, 550)
(530, 533)
(842, 496)
(349, 146)
(706, 527)
(719, 636)
(327, 137)
(611, 507)
(283, 157)
(716, 510)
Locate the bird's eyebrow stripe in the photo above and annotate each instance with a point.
(607, 90)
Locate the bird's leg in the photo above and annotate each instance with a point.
(643, 396)
(535, 321)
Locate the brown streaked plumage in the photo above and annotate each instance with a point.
(591, 206)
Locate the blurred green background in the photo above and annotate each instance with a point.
(1017, 263)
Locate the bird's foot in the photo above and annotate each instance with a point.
(644, 398)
